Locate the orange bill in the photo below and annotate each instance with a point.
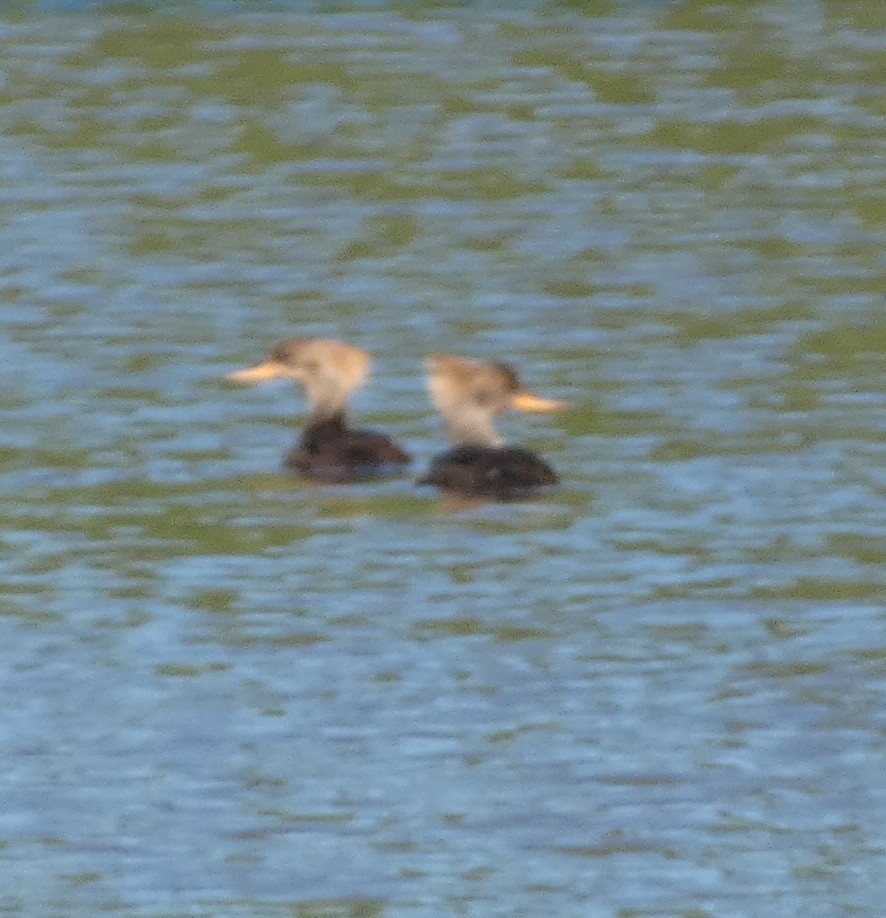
(261, 373)
(526, 401)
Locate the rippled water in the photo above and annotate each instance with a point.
(658, 691)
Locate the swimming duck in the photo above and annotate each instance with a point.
(329, 371)
(468, 394)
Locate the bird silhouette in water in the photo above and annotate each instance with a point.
(329, 449)
(468, 394)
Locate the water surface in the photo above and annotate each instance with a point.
(658, 690)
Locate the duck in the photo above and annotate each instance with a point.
(329, 371)
(468, 394)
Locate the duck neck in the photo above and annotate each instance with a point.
(327, 402)
(327, 422)
(472, 429)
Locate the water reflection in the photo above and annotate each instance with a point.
(656, 689)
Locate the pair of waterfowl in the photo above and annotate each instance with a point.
(467, 393)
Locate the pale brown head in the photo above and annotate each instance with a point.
(469, 393)
(328, 370)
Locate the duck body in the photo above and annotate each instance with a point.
(498, 472)
(328, 450)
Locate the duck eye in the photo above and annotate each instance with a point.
(278, 355)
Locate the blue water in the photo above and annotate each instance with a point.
(656, 691)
